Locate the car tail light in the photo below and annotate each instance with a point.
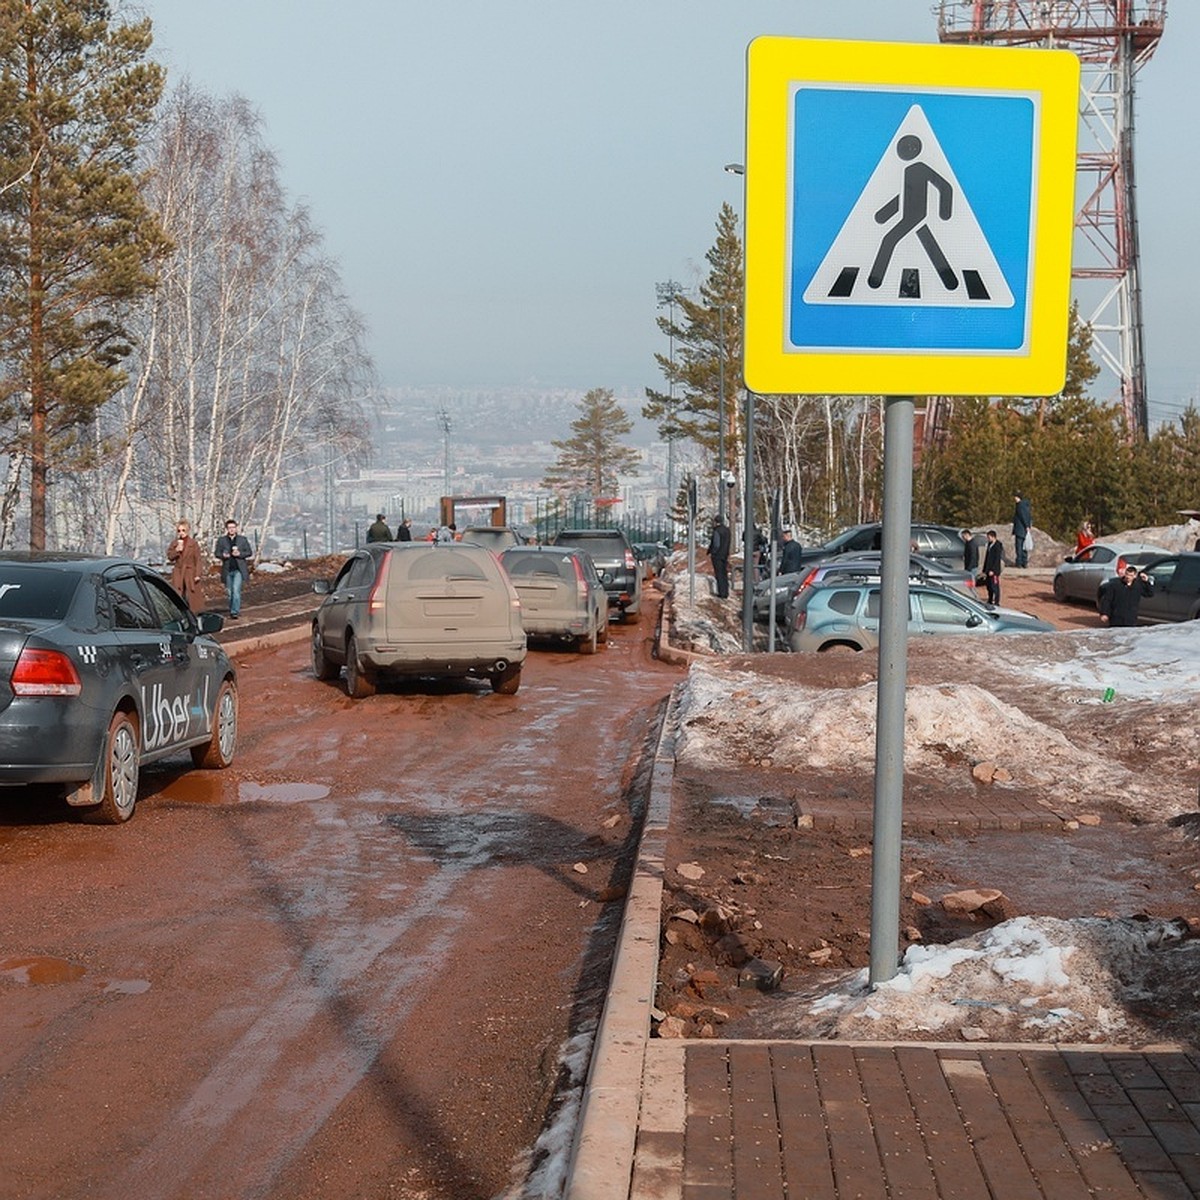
(801, 618)
(376, 602)
(45, 673)
(1120, 565)
(580, 579)
(630, 561)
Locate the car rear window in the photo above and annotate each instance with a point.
(35, 592)
(444, 564)
(539, 564)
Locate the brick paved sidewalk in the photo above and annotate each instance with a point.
(830, 1121)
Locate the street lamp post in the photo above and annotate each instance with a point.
(721, 416)
(667, 293)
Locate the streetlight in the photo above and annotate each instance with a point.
(667, 293)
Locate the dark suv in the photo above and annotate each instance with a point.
(615, 562)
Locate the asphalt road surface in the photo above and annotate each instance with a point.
(344, 968)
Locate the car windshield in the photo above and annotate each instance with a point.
(35, 592)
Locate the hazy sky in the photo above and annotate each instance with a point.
(504, 181)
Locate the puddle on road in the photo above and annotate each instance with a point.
(40, 969)
(280, 793)
(126, 987)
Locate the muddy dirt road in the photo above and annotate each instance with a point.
(344, 968)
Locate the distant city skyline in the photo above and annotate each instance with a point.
(504, 185)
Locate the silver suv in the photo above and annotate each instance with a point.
(419, 609)
(840, 614)
(561, 594)
(619, 569)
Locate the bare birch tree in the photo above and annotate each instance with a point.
(250, 361)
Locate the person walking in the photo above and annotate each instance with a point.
(1121, 596)
(718, 553)
(1022, 530)
(380, 530)
(404, 530)
(993, 564)
(790, 556)
(184, 556)
(970, 552)
(235, 554)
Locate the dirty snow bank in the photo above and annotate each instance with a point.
(1031, 979)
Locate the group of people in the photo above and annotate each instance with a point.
(718, 552)
(232, 550)
(381, 531)
(993, 552)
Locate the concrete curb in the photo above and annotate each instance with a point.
(266, 641)
(602, 1157)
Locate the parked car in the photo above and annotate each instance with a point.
(866, 568)
(1079, 576)
(652, 555)
(860, 563)
(941, 542)
(561, 594)
(495, 537)
(419, 609)
(1176, 597)
(841, 614)
(105, 668)
(616, 565)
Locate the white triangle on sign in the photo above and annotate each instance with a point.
(911, 238)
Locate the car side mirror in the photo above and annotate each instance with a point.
(321, 587)
(210, 622)
(974, 621)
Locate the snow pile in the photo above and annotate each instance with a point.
(1030, 979)
(731, 717)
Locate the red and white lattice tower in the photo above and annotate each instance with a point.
(1112, 38)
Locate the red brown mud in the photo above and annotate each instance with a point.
(342, 968)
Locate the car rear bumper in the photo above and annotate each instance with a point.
(432, 658)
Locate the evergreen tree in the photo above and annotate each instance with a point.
(591, 460)
(78, 245)
(708, 338)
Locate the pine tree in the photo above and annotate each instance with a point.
(78, 245)
(708, 357)
(591, 459)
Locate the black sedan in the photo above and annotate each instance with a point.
(103, 667)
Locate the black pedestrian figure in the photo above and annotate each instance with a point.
(912, 206)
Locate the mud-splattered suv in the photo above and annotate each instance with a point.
(616, 564)
(419, 609)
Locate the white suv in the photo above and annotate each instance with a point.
(419, 609)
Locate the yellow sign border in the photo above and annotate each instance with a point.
(774, 64)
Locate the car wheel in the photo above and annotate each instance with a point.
(323, 669)
(588, 643)
(602, 633)
(359, 685)
(217, 753)
(121, 760)
(506, 682)
(1060, 588)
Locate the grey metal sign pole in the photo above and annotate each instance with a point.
(748, 532)
(893, 679)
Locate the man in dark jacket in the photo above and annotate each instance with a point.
(970, 552)
(718, 553)
(993, 564)
(235, 553)
(1121, 596)
(404, 530)
(1022, 526)
(380, 531)
(790, 559)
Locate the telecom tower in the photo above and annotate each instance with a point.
(1112, 38)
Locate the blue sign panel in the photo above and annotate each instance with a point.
(911, 220)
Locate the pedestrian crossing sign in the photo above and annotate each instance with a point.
(909, 213)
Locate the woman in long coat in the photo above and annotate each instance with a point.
(184, 554)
